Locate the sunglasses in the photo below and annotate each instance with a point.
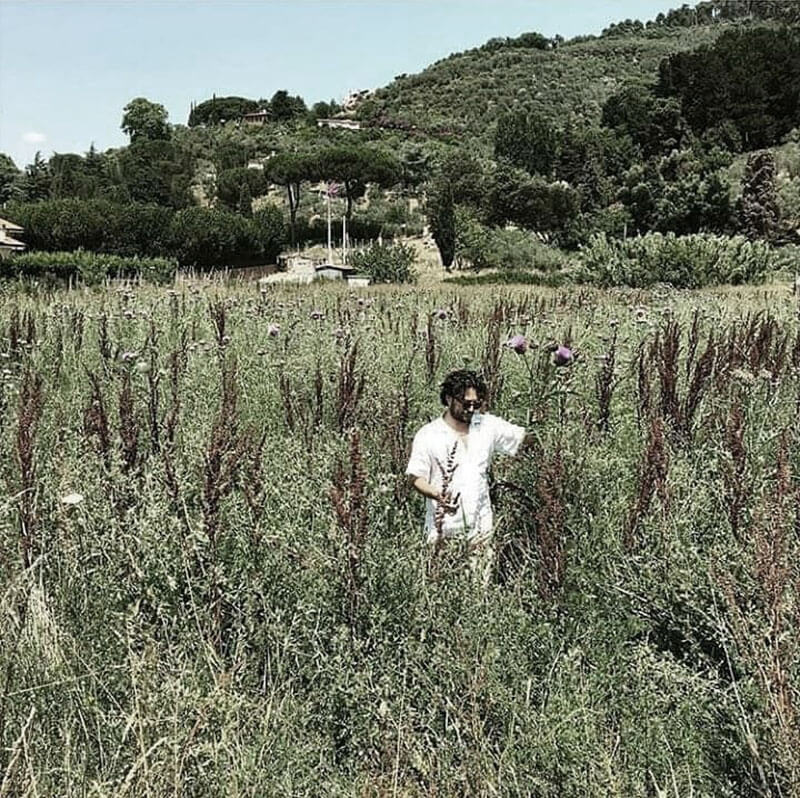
(472, 405)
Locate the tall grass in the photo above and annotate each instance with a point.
(235, 597)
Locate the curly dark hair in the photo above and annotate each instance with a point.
(456, 383)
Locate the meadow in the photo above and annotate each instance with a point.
(214, 581)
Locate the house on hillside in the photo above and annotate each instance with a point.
(344, 124)
(9, 244)
(257, 118)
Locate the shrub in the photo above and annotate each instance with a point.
(96, 225)
(203, 238)
(386, 263)
(63, 224)
(481, 247)
(88, 267)
(691, 261)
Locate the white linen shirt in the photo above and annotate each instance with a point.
(473, 457)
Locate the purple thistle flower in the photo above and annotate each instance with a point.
(562, 356)
(519, 343)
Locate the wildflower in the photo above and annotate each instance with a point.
(613, 322)
(338, 333)
(562, 356)
(519, 343)
(317, 315)
(641, 315)
(440, 314)
(72, 498)
(128, 356)
(274, 330)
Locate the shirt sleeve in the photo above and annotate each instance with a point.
(419, 464)
(507, 436)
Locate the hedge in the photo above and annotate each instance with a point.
(691, 261)
(88, 267)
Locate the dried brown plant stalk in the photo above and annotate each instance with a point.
(764, 620)
(432, 353)
(448, 469)
(350, 387)
(737, 488)
(604, 385)
(667, 347)
(128, 425)
(350, 507)
(31, 401)
(651, 481)
(153, 381)
(698, 385)
(222, 452)
(492, 352)
(95, 421)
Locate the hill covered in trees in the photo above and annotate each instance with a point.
(681, 125)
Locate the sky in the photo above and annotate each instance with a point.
(69, 67)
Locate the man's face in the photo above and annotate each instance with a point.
(462, 409)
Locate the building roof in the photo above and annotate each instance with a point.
(10, 226)
(336, 266)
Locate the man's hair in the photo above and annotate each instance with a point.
(456, 383)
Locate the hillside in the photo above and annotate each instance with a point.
(466, 92)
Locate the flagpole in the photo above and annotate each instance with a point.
(330, 248)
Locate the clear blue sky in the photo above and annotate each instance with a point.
(68, 68)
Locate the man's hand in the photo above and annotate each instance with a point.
(448, 503)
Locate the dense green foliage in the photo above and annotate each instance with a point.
(646, 128)
(692, 261)
(197, 237)
(210, 556)
(145, 120)
(747, 77)
(385, 263)
(89, 268)
(220, 109)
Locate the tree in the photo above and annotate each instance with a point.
(440, 212)
(36, 182)
(749, 76)
(283, 107)
(9, 178)
(530, 201)
(244, 206)
(142, 119)
(231, 183)
(354, 167)
(654, 124)
(220, 109)
(528, 141)
(156, 171)
(758, 213)
(289, 170)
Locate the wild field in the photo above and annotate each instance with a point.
(214, 581)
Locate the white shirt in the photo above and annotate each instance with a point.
(471, 455)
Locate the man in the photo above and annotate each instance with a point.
(450, 461)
